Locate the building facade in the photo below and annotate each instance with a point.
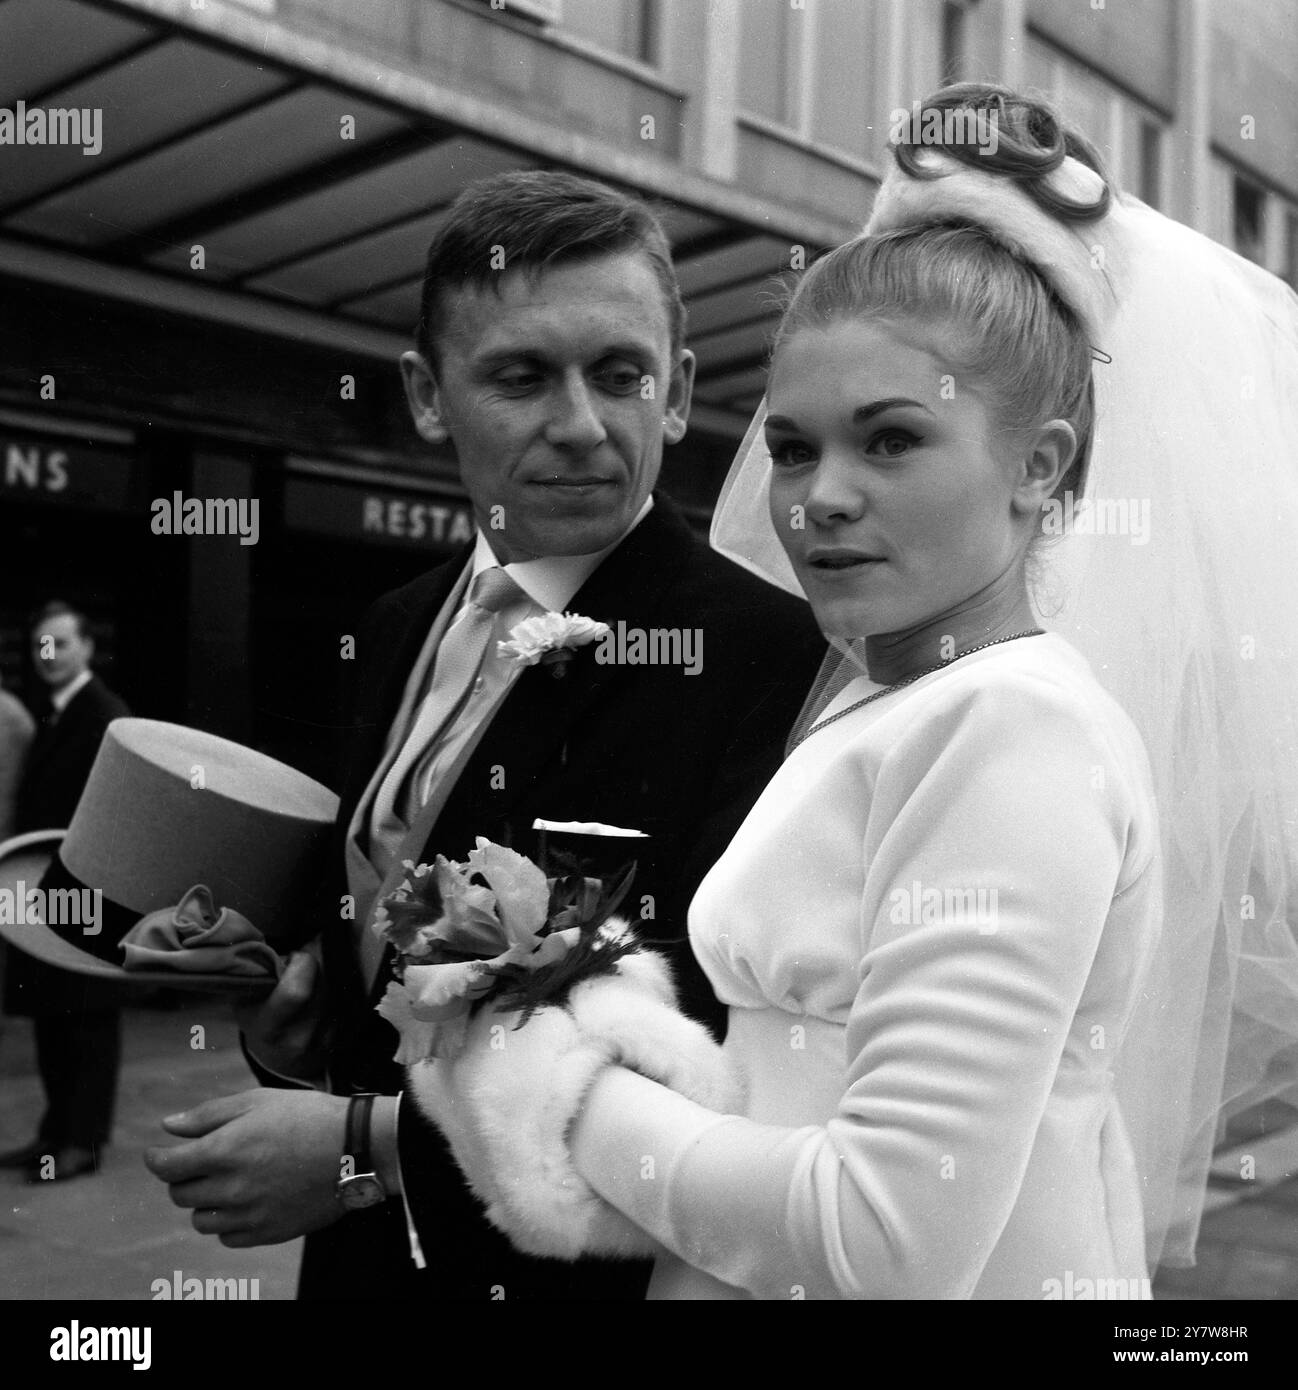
(212, 301)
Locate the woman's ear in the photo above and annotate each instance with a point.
(1049, 456)
(424, 398)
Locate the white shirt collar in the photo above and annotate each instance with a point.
(65, 694)
(552, 580)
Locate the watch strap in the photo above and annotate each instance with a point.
(356, 1138)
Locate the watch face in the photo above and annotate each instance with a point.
(363, 1190)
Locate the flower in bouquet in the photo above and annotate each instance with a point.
(551, 639)
(491, 928)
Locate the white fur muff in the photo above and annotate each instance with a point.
(506, 1104)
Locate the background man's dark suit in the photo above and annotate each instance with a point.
(648, 748)
(77, 1025)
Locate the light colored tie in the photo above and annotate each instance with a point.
(459, 659)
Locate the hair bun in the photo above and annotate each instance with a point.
(1070, 182)
(1078, 264)
(991, 128)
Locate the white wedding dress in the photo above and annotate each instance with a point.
(931, 931)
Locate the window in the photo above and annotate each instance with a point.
(1221, 193)
(650, 32)
(843, 80)
(812, 69)
(1259, 223)
(766, 60)
(1248, 220)
(1126, 132)
(631, 28)
(1149, 180)
(954, 16)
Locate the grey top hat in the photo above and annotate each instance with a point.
(167, 808)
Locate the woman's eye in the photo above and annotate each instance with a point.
(893, 443)
(790, 453)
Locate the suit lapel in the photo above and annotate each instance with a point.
(402, 637)
(542, 708)
(397, 641)
(43, 744)
(53, 731)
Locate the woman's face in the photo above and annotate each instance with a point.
(890, 491)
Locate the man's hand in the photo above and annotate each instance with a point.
(259, 1167)
(285, 1031)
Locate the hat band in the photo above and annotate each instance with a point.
(76, 913)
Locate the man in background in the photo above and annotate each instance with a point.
(77, 1020)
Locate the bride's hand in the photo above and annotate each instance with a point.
(507, 1103)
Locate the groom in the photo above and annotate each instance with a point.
(551, 359)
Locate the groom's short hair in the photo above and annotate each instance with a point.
(530, 219)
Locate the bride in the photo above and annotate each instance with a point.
(981, 936)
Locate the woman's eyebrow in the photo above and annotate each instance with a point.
(866, 412)
(859, 415)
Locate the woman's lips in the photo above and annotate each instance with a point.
(827, 564)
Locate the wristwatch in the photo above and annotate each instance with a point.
(364, 1188)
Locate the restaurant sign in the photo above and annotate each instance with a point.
(387, 516)
(64, 472)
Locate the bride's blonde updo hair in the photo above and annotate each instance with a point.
(1015, 337)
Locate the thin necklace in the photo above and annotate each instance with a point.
(927, 671)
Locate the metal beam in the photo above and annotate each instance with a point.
(265, 40)
(167, 294)
(28, 261)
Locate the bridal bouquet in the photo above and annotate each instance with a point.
(493, 928)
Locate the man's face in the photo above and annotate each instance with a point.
(59, 652)
(557, 394)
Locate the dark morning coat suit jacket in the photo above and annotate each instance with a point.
(680, 757)
(54, 775)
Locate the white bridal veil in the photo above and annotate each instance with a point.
(1178, 580)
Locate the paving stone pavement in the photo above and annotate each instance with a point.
(1248, 1241)
(110, 1236)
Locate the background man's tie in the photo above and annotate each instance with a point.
(459, 660)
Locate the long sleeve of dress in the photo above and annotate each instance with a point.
(959, 1032)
